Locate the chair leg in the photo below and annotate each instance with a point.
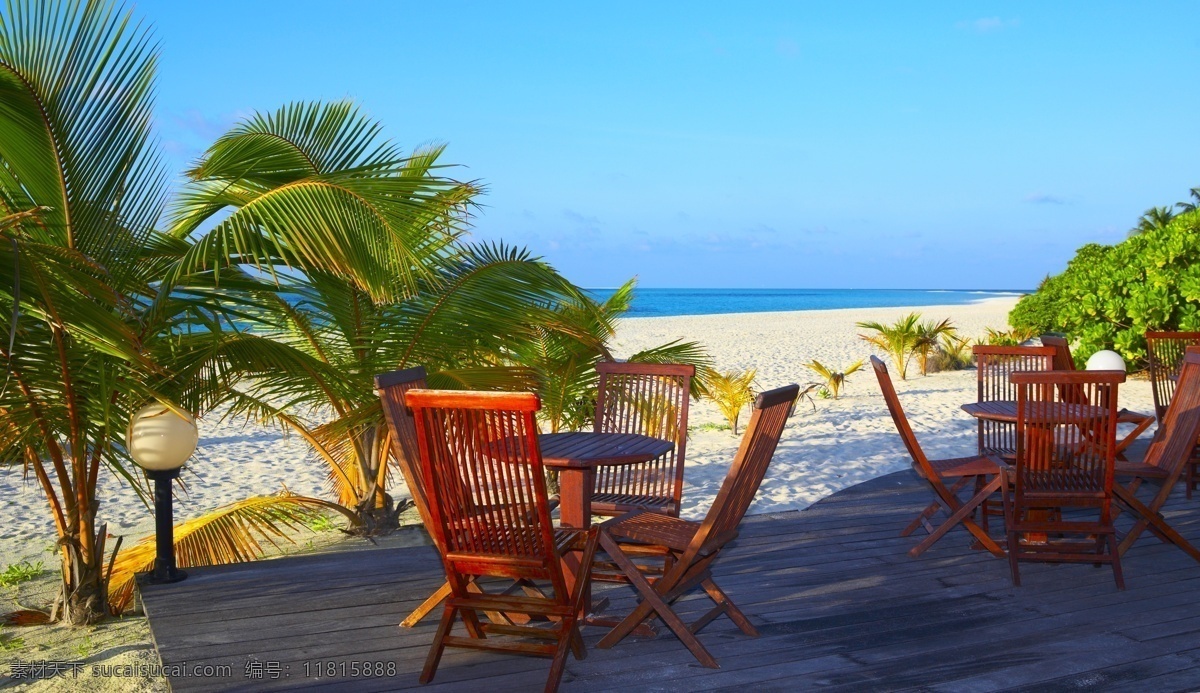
(1115, 555)
(1148, 517)
(960, 516)
(426, 606)
(730, 609)
(652, 602)
(439, 645)
(560, 654)
(924, 515)
(1014, 542)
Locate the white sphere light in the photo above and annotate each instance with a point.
(160, 438)
(1106, 360)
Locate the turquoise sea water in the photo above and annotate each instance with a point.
(661, 302)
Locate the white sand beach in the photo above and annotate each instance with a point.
(827, 446)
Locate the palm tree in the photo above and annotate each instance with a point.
(1153, 218)
(898, 340)
(308, 363)
(1190, 205)
(563, 352)
(929, 334)
(834, 380)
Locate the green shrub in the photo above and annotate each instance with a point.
(1109, 296)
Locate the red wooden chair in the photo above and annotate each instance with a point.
(1171, 451)
(945, 477)
(993, 365)
(650, 399)
(1166, 350)
(391, 388)
(1066, 454)
(1064, 362)
(491, 515)
(692, 547)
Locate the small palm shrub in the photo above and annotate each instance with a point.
(928, 342)
(1013, 337)
(731, 391)
(834, 380)
(897, 340)
(954, 353)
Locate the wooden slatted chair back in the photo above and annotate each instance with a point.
(1177, 434)
(745, 475)
(649, 399)
(1066, 436)
(1062, 352)
(487, 485)
(1166, 351)
(993, 366)
(919, 461)
(391, 388)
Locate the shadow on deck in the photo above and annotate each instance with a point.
(839, 603)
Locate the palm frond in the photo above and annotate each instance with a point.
(234, 533)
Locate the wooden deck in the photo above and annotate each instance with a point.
(839, 603)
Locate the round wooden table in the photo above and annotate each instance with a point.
(576, 455)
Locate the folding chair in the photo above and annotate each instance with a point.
(1064, 362)
(1170, 453)
(1166, 350)
(945, 477)
(692, 547)
(1066, 457)
(650, 399)
(487, 490)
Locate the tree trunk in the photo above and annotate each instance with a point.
(83, 600)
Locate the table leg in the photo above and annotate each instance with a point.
(575, 510)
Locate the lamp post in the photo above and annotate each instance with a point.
(160, 440)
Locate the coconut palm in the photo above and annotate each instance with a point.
(1153, 218)
(563, 352)
(1190, 205)
(107, 313)
(928, 342)
(834, 380)
(897, 341)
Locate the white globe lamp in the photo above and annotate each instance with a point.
(1106, 360)
(160, 439)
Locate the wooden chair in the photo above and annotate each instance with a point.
(692, 547)
(993, 365)
(650, 399)
(1171, 451)
(945, 477)
(391, 388)
(1166, 350)
(1066, 454)
(1064, 362)
(486, 488)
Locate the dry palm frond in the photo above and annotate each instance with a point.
(234, 533)
(731, 391)
(834, 380)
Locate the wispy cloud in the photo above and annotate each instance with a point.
(986, 25)
(1044, 199)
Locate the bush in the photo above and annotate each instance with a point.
(1109, 296)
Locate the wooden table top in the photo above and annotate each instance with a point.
(1006, 411)
(585, 449)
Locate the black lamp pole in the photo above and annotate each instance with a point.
(164, 530)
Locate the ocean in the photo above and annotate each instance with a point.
(663, 302)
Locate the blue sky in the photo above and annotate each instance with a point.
(830, 145)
